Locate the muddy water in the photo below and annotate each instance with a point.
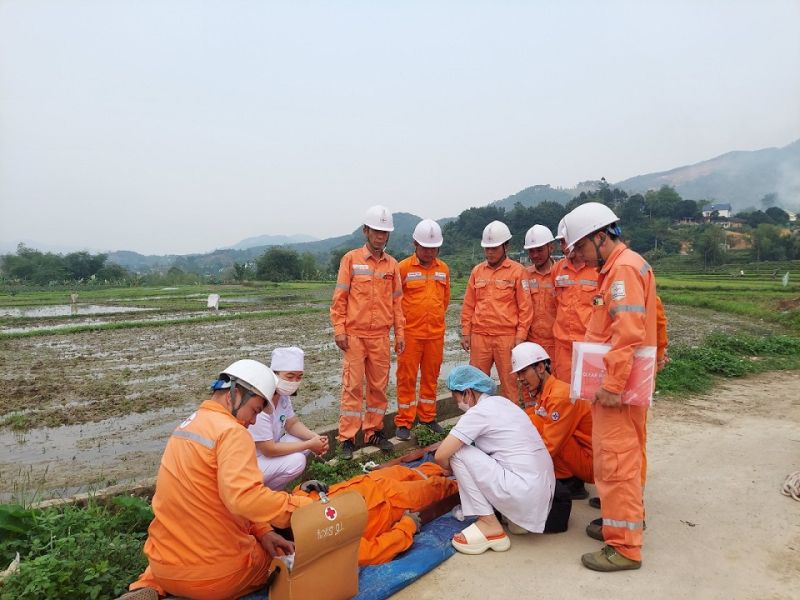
(65, 310)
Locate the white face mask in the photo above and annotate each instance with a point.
(287, 388)
(463, 406)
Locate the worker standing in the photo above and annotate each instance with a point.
(212, 535)
(564, 424)
(496, 313)
(426, 295)
(575, 286)
(624, 315)
(367, 303)
(538, 243)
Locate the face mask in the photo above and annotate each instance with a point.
(287, 388)
(462, 404)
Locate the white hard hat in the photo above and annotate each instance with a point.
(495, 234)
(585, 219)
(537, 236)
(379, 217)
(428, 234)
(526, 354)
(252, 375)
(560, 231)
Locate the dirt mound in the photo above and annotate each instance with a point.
(792, 304)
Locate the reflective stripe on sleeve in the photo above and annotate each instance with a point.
(637, 308)
(397, 294)
(645, 268)
(343, 286)
(191, 436)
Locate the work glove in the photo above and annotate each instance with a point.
(416, 518)
(314, 485)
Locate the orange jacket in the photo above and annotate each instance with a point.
(543, 301)
(367, 300)
(426, 295)
(557, 418)
(575, 289)
(624, 313)
(389, 492)
(661, 331)
(209, 501)
(497, 301)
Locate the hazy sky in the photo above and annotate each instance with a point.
(169, 126)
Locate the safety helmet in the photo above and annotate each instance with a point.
(527, 354)
(537, 236)
(585, 219)
(252, 375)
(560, 233)
(428, 234)
(495, 234)
(379, 217)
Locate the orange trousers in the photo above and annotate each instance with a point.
(365, 360)
(618, 440)
(574, 460)
(562, 360)
(239, 583)
(423, 357)
(488, 350)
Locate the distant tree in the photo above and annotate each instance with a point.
(308, 266)
(663, 203)
(686, 209)
(778, 215)
(336, 257)
(278, 264)
(82, 265)
(756, 218)
(710, 245)
(113, 272)
(240, 271)
(768, 243)
(36, 267)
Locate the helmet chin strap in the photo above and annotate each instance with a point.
(600, 260)
(246, 395)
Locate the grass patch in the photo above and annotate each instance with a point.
(696, 369)
(425, 436)
(74, 552)
(16, 422)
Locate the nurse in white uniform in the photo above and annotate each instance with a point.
(500, 463)
(282, 441)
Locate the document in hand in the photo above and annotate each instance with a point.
(588, 371)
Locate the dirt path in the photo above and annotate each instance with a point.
(717, 525)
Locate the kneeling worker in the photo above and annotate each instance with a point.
(565, 426)
(212, 532)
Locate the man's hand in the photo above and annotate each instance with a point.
(318, 444)
(465, 342)
(314, 485)
(662, 362)
(414, 516)
(607, 399)
(341, 341)
(276, 545)
(399, 345)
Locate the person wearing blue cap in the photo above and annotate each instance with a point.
(499, 461)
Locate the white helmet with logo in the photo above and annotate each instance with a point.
(252, 375)
(585, 219)
(428, 234)
(379, 217)
(495, 234)
(537, 236)
(526, 354)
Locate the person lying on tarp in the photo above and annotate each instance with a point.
(394, 495)
(499, 461)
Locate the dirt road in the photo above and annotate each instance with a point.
(717, 525)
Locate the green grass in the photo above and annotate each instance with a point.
(73, 552)
(693, 370)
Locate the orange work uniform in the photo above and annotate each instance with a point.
(624, 315)
(366, 305)
(496, 312)
(543, 301)
(575, 286)
(211, 511)
(389, 493)
(662, 339)
(566, 429)
(426, 295)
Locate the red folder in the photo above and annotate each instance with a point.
(589, 370)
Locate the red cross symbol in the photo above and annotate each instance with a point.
(330, 513)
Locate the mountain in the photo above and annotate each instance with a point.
(741, 178)
(535, 195)
(272, 240)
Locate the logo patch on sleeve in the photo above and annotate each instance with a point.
(555, 416)
(618, 290)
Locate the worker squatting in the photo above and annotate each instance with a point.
(220, 489)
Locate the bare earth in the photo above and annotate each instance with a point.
(717, 525)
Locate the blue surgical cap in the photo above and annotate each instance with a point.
(467, 377)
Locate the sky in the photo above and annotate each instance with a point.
(178, 126)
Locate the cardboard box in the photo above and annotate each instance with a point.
(588, 371)
(326, 540)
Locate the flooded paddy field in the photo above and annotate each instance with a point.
(86, 409)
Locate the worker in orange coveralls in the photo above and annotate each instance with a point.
(212, 532)
(538, 243)
(575, 285)
(426, 295)
(394, 495)
(565, 425)
(496, 313)
(624, 315)
(367, 303)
